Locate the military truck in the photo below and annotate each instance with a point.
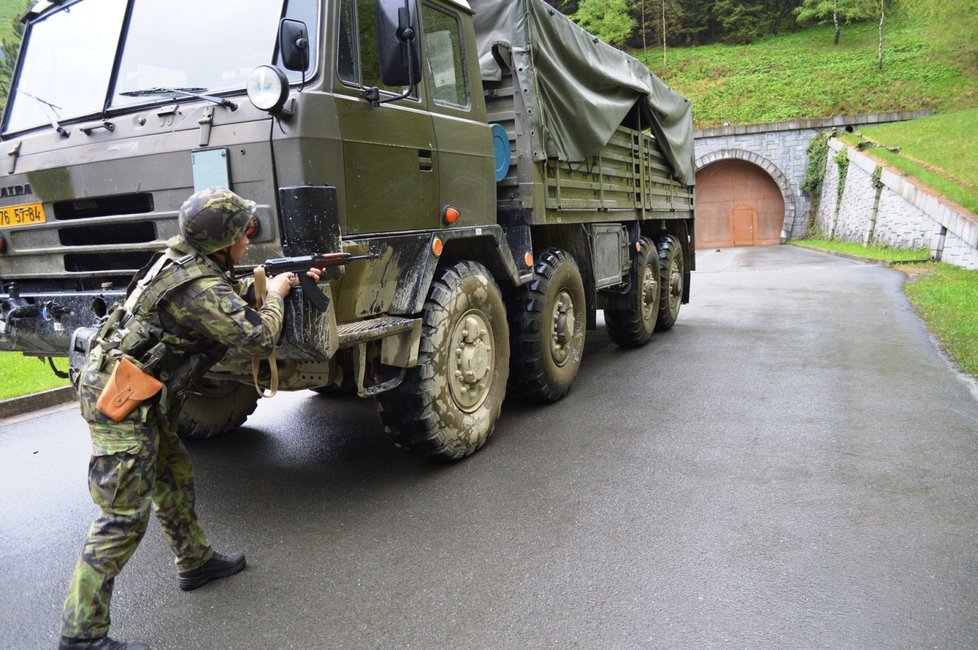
(490, 174)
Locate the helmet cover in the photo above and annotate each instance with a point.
(215, 218)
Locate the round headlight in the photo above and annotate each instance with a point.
(268, 88)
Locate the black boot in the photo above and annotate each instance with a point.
(103, 643)
(219, 566)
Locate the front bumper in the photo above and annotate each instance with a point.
(40, 324)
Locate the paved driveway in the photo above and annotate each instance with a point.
(792, 466)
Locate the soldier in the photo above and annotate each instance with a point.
(179, 319)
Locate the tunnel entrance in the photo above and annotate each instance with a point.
(737, 204)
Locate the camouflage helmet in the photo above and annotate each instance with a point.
(215, 218)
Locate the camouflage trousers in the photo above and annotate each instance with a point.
(136, 464)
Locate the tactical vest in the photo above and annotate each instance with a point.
(135, 328)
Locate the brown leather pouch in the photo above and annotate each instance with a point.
(128, 387)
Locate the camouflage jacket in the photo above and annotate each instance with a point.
(191, 308)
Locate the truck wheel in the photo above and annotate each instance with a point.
(447, 406)
(631, 318)
(671, 273)
(215, 407)
(547, 326)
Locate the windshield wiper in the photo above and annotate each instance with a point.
(51, 111)
(196, 93)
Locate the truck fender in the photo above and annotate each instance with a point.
(491, 246)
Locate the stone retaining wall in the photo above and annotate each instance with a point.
(891, 209)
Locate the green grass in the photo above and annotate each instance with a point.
(803, 75)
(875, 252)
(946, 297)
(20, 375)
(939, 151)
(9, 10)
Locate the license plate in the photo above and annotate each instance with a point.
(25, 214)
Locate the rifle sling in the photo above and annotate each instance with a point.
(256, 361)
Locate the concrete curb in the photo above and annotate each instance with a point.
(35, 402)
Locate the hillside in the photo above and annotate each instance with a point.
(930, 150)
(803, 75)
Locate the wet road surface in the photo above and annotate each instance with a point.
(793, 465)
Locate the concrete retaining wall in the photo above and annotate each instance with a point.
(900, 213)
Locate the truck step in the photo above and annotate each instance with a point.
(351, 334)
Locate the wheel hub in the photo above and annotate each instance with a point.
(564, 325)
(473, 358)
(675, 286)
(650, 291)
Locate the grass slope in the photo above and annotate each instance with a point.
(945, 296)
(938, 151)
(803, 75)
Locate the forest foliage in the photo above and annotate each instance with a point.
(635, 24)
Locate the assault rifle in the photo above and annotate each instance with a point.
(299, 265)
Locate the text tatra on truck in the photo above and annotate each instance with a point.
(486, 176)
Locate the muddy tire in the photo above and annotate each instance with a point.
(632, 317)
(212, 408)
(672, 275)
(547, 327)
(447, 406)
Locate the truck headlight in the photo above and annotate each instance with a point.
(268, 88)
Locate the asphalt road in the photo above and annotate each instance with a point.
(794, 465)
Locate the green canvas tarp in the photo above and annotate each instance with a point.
(576, 89)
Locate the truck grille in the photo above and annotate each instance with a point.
(106, 262)
(102, 233)
(105, 206)
(130, 233)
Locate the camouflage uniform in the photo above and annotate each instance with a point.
(191, 306)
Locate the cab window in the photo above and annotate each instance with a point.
(358, 58)
(446, 63)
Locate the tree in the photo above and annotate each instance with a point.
(659, 24)
(882, 8)
(778, 13)
(609, 20)
(741, 21)
(838, 11)
(9, 49)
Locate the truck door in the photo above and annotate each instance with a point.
(466, 170)
(389, 151)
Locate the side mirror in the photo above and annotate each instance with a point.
(293, 44)
(400, 61)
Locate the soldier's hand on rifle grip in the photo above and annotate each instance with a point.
(283, 282)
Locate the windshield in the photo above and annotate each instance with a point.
(65, 64)
(206, 46)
